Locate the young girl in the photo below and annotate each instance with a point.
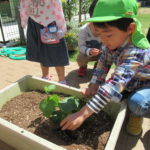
(45, 32)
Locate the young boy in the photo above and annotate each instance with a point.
(89, 48)
(89, 45)
(127, 47)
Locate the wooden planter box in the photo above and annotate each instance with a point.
(24, 140)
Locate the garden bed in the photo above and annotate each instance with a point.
(92, 135)
(23, 111)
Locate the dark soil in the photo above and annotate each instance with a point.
(24, 112)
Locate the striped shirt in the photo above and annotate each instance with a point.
(131, 73)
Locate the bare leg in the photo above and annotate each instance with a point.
(61, 73)
(45, 72)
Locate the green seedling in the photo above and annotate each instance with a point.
(50, 88)
(57, 109)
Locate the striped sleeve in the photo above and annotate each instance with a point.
(97, 103)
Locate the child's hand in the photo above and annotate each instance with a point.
(94, 52)
(75, 120)
(91, 90)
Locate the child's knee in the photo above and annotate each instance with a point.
(82, 59)
(138, 104)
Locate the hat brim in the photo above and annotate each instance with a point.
(103, 19)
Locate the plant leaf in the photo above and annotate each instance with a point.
(69, 104)
(47, 107)
(49, 88)
(55, 98)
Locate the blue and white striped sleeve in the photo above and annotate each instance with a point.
(97, 103)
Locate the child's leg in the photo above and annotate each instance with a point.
(45, 72)
(139, 104)
(61, 73)
(82, 60)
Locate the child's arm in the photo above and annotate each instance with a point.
(82, 40)
(24, 12)
(75, 120)
(110, 91)
(99, 75)
(112, 88)
(102, 69)
(91, 90)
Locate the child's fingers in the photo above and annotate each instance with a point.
(74, 127)
(64, 124)
(68, 124)
(63, 121)
(83, 91)
(86, 92)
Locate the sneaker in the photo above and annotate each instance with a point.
(63, 82)
(134, 125)
(82, 71)
(47, 78)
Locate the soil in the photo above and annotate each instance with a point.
(24, 112)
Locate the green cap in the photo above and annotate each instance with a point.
(109, 10)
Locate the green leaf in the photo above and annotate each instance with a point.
(49, 88)
(69, 104)
(57, 116)
(47, 107)
(55, 98)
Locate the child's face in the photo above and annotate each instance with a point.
(112, 37)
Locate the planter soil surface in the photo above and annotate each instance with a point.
(23, 111)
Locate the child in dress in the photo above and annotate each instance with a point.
(45, 35)
(125, 45)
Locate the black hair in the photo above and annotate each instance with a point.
(121, 24)
(148, 35)
(91, 8)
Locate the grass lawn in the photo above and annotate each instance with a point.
(145, 21)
